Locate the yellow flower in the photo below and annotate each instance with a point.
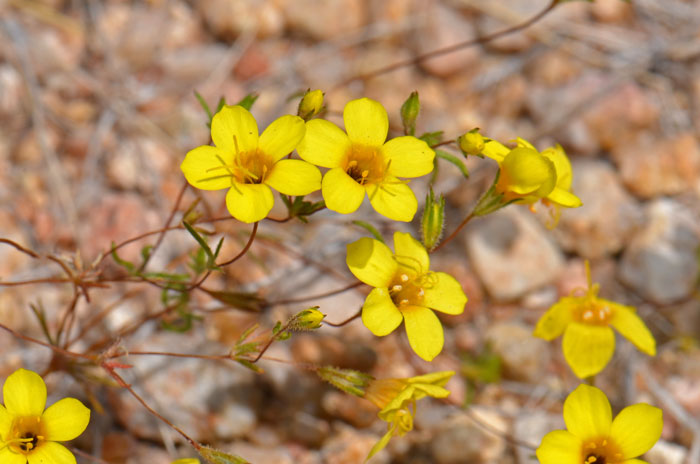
(594, 437)
(28, 433)
(360, 161)
(528, 176)
(249, 165)
(397, 400)
(405, 289)
(589, 342)
(186, 461)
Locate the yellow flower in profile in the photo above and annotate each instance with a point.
(594, 437)
(360, 162)
(589, 342)
(528, 176)
(405, 290)
(249, 165)
(28, 433)
(397, 400)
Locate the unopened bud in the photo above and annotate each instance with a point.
(472, 143)
(347, 380)
(433, 220)
(409, 113)
(310, 105)
(186, 461)
(308, 319)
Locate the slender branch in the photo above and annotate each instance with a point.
(315, 297)
(47, 345)
(346, 321)
(244, 250)
(454, 232)
(19, 247)
(450, 49)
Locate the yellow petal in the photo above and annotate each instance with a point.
(340, 192)
(411, 253)
(381, 443)
(587, 413)
(555, 320)
(65, 419)
(559, 447)
(249, 202)
(10, 457)
(234, 130)
(636, 429)
(379, 314)
(371, 261)
(366, 122)
(626, 321)
(409, 157)
(635, 461)
(51, 452)
(324, 144)
(525, 171)
(393, 199)
(564, 198)
(495, 150)
(424, 331)
(444, 294)
(294, 177)
(282, 136)
(588, 348)
(521, 142)
(5, 423)
(421, 390)
(434, 378)
(205, 167)
(562, 165)
(24, 393)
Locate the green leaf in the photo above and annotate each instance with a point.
(205, 107)
(214, 456)
(252, 366)
(432, 138)
(409, 113)
(370, 228)
(247, 101)
(449, 157)
(129, 266)
(250, 302)
(211, 257)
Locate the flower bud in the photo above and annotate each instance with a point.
(409, 113)
(347, 380)
(472, 143)
(308, 319)
(310, 105)
(215, 456)
(433, 220)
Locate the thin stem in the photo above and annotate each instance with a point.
(452, 48)
(346, 321)
(317, 296)
(244, 250)
(19, 247)
(454, 232)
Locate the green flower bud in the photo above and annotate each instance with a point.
(310, 105)
(308, 319)
(472, 143)
(219, 457)
(433, 220)
(347, 380)
(409, 113)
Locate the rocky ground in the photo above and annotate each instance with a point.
(97, 111)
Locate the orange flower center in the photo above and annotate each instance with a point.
(406, 290)
(26, 433)
(593, 312)
(365, 164)
(601, 451)
(251, 167)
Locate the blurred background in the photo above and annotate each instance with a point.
(97, 111)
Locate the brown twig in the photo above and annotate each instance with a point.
(346, 321)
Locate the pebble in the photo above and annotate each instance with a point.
(461, 440)
(530, 427)
(512, 253)
(608, 217)
(524, 357)
(660, 262)
(665, 452)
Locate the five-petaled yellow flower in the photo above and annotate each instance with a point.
(28, 433)
(528, 176)
(249, 165)
(405, 289)
(360, 161)
(589, 342)
(593, 437)
(397, 400)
